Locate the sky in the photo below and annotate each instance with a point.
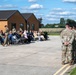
(49, 10)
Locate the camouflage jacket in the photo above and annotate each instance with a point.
(67, 36)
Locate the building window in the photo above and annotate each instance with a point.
(22, 26)
(13, 25)
(33, 27)
(28, 27)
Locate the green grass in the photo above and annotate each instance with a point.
(73, 72)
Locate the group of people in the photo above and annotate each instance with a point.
(68, 39)
(12, 36)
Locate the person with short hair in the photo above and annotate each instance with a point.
(67, 37)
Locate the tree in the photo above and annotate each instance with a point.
(40, 22)
(62, 23)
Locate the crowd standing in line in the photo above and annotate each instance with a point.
(15, 37)
(68, 39)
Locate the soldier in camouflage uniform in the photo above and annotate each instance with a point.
(6, 40)
(74, 44)
(67, 37)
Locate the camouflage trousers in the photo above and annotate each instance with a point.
(6, 40)
(74, 51)
(66, 53)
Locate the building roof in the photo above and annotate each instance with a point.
(27, 15)
(5, 14)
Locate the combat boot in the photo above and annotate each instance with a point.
(63, 63)
(71, 62)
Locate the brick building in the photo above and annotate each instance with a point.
(32, 21)
(12, 18)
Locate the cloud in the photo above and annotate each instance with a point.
(57, 9)
(74, 9)
(64, 13)
(70, 1)
(56, 13)
(8, 6)
(35, 0)
(33, 7)
(32, 1)
(39, 14)
(36, 7)
(52, 19)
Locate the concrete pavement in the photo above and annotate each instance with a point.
(39, 58)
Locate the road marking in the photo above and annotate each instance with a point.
(61, 69)
(65, 70)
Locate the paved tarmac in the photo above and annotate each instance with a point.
(37, 58)
(70, 70)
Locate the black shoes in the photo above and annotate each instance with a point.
(72, 62)
(63, 63)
